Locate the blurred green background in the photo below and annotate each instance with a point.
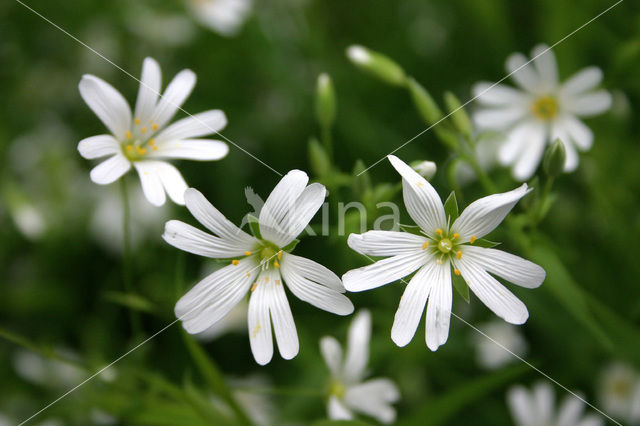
(60, 259)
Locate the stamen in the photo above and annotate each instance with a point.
(277, 282)
(439, 231)
(456, 235)
(127, 134)
(235, 261)
(144, 129)
(266, 279)
(254, 286)
(247, 253)
(473, 239)
(425, 245)
(140, 150)
(276, 264)
(154, 126)
(439, 261)
(129, 147)
(459, 254)
(137, 121)
(248, 274)
(280, 255)
(456, 271)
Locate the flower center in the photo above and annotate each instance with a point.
(337, 389)
(445, 245)
(136, 145)
(622, 388)
(545, 107)
(267, 254)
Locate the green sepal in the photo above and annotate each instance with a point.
(461, 287)
(412, 229)
(289, 247)
(424, 103)
(481, 242)
(459, 116)
(254, 226)
(319, 158)
(451, 207)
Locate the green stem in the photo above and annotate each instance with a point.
(44, 352)
(325, 134)
(126, 251)
(282, 391)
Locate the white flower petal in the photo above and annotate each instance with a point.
(521, 406)
(580, 134)
(386, 243)
(384, 271)
(544, 397)
(589, 104)
(421, 200)
(582, 81)
(498, 94)
(190, 239)
(507, 266)
(172, 181)
(412, 304)
(279, 203)
(150, 82)
(357, 356)
(373, 398)
(531, 155)
(523, 73)
(572, 159)
(332, 354)
(213, 220)
(110, 170)
(283, 325)
(545, 64)
(304, 208)
(493, 294)
(592, 420)
(483, 215)
(439, 307)
(151, 182)
(260, 324)
(337, 410)
(214, 296)
(570, 411)
(98, 146)
(314, 284)
(498, 118)
(516, 142)
(194, 126)
(173, 97)
(191, 149)
(107, 103)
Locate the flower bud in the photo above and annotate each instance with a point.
(325, 101)
(424, 103)
(426, 169)
(459, 116)
(554, 159)
(377, 64)
(318, 158)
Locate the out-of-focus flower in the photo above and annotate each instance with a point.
(540, 111)
(225, 17)
(261, 264)
(620, 393)
(537, 408)
(348, 391)
(46, 372)
(161, 28)
(141, 140)
(446, 243)
(492, 356)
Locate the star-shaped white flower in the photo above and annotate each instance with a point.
(541, 110)
(537, 408)
(619, 393)
(348, 392)
(142, 140)
(443, 246)
(261, 264)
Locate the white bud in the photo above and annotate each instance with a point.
(426, 169)
(358, 54)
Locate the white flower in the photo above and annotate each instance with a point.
(225, 17)
(537, 408)
(620, 393)
(492, 356)
(444, 245)
(141, 140)
(543, 110)
(348, 392)
(260, 264)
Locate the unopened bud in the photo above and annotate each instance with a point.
(377, 64)
(426, 169)
(325, 101)
(554, 159)
(459, 116)
(426, 106)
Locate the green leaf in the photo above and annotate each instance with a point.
(130, 300)
(451, 207)
(461, 286)
(481, 242)
(254, 226)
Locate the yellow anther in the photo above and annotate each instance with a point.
(456, 271)
(137, 121)
(152, 141)
(127, 134)
(280, 255)
(439, 231)
(266, 279)
(129, 147)
(254, 286)
(425, 245)
(154, 126)
(248, 274)
(439, 261)
(235, 261)
(278, 282)
(140, 150)
(419, 184)
(143, 129)
(456, 235)
(473, 239)
(276, 264)
(459, 254)
(247, 253)
(155, 148)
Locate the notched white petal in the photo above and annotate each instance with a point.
(110, 170)
(98, 146)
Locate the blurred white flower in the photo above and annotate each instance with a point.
(161, 28)
(348, 392)
(620, 393)
(225, 17)
(444, 246)
(28, 219)
(537, 408)
(142, 140)
(264, 260)
(541, 111)
(492, 356)
(45, 371)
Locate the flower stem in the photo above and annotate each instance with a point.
(126, 251)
